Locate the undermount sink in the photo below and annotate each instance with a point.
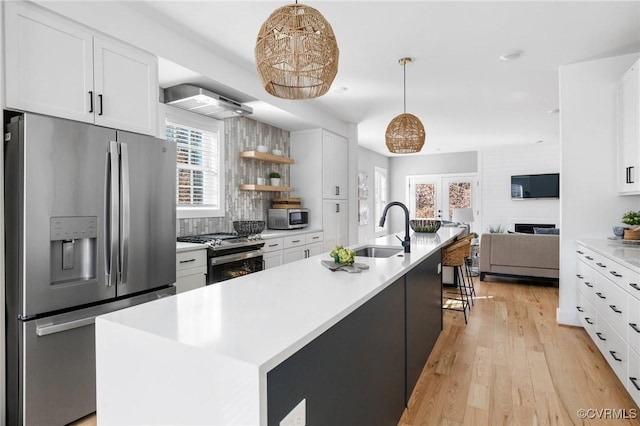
(377, 251)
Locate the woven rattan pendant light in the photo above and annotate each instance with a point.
(296, 53)
(405, 133)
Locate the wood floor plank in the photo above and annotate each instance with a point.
(526, 369)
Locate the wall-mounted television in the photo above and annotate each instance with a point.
(535, 186)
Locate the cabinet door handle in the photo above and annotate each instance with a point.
(600, 295)
(615, 309)
(630, 178)
(588, 257)
(579, 309)
(636, 286)
(613, 354)
(601, 265)
(633, 380)
(588, 320)
(579, 276)
(90, 100)
(337, 208)
(579, 252)
(100, 103)
(337, 190)
(600, 336)
(188, 261)
(635, 327)
(615, 274)
(588, 284)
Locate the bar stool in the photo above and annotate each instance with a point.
(471, 290)
(454, 255)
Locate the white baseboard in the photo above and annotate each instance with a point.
(567, 317)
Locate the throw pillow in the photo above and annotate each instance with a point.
(546, 231)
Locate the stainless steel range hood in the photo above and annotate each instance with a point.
(202, 101)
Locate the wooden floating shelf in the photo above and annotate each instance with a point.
(264, 156)
(251, 187)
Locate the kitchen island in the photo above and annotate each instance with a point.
(250, 350)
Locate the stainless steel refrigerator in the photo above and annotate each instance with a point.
(90, 228)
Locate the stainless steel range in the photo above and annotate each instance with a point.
(229, 255)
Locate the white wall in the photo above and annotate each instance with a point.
(496, 167)
(367, 161)
(401, 167)
(589, 206)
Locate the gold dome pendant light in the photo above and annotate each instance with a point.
(296, 53)
(405, 134)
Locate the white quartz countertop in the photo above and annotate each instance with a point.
(268, 234)
(263, 318)
(625, 253)
(182, 247)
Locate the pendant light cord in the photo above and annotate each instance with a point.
(404, 85)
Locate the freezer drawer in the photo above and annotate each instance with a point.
(59, 383)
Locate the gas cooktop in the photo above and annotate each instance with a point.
(223, 240)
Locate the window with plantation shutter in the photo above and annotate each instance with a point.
(199, 177)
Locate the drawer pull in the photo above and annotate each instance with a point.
(295, 241)
(579, 276)
(636, 286)
(601, 265)
(588, 284)
(579, 252)
(600, 336)
(615, 309)
(588, 257)
(615, 274)
(315, 238)
(635, 327)
(188, 261)
(579, 309)
(588, 320)
(613, 354)
(600, 295)
(633, 380)
(273, 245)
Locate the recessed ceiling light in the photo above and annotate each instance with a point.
(554, 111)
(513, 55)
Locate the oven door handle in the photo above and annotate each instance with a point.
(235, 257)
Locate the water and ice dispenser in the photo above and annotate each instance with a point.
(73, 250)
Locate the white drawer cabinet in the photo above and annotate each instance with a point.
(57, 67)
(609, 306)
(191, 270)
(273, 253)
(291, 248)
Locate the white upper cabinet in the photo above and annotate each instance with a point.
(57, 67)
(628, 114)
(334, 166)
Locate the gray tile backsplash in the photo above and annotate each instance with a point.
(243, 134)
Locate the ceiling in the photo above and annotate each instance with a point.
(464, 94)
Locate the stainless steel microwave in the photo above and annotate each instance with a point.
(287, 218)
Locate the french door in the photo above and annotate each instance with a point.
(434, 196)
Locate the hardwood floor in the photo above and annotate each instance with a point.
(512, 364)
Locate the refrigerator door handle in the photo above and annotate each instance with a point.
(113, 210)
(44, 330)
(126, 213)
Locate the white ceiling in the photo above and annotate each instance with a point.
(466, 97)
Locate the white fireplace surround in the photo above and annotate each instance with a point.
(511, 222)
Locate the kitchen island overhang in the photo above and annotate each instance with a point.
(207, 352)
